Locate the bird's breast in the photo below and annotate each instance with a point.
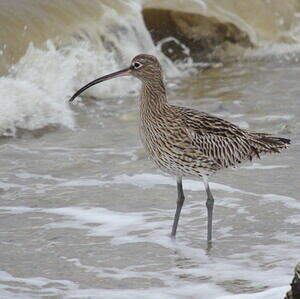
(165, 145)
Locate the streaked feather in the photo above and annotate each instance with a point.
(187, 142)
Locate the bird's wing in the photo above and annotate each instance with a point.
(218, 139)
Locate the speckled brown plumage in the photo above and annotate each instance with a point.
(185, 142)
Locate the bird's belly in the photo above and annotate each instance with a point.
(171, 159)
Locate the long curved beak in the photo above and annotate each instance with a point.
(124, 72)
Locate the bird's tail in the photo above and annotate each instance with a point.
(264, 143)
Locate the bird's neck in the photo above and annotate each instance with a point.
(153, 95)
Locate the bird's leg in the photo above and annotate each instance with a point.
(210, 206)
(180, 201)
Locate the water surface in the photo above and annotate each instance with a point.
(84, 214)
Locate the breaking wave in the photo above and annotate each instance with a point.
(50, 49)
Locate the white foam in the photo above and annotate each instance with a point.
(260, 166)
(286, 200)
(273, 117)
(111, 223)
(189, 290)
(27, 106)
(31, 285)
(17, 210)
(153, 227)
(35, 93)
(82, 183)
(274, 293)
(293, 219)
(34, 281)
(7, 186)
(148, 180)
(283, 51)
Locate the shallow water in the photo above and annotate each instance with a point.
(84, 214)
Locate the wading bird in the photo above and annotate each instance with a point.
(184, 142)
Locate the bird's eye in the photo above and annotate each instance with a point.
(137, 65)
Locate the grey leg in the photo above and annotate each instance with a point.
(210, 206)
(180, 202)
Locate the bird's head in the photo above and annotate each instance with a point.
(144, 67)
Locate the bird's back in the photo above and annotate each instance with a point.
(187, 142)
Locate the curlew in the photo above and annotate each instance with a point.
(184, 142)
